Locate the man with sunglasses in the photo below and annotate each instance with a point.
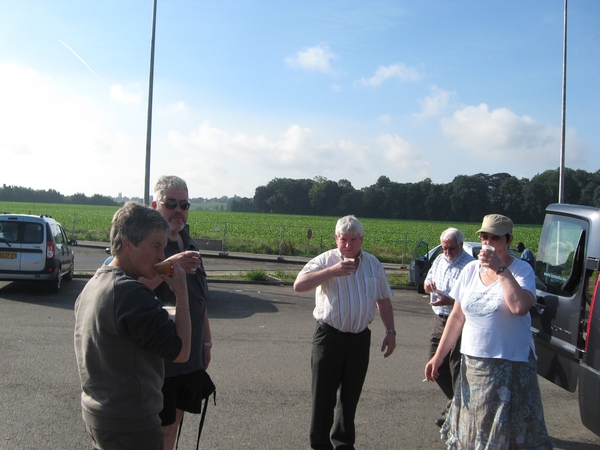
(440, 279)
(183, 382)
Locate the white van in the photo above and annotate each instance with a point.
(34, 248)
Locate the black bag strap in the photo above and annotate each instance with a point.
(201, 421)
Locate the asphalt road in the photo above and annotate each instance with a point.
(260, 365)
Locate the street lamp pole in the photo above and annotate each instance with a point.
(561, 182)
(149, 123)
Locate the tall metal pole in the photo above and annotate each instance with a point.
(561, 182)
(149, 123)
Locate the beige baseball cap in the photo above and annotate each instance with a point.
(496, 224)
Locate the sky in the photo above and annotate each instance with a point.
(246, 91)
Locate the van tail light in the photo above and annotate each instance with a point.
(50, 250)
(591, 313)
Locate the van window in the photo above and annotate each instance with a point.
(33, 233)
(561, 255)
(57, 232)
(9, 231)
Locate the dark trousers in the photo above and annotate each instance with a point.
(339, 362)
(450, 368)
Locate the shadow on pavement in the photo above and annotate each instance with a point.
(237, 305)
(37, 293)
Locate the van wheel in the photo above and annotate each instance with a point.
(55, 284)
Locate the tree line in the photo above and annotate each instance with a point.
(467, 198)
(23, 194)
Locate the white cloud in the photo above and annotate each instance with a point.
(317, 58)
(119, 94)
(501, 135)
(435, 104)
(385, 119)
(383, 73)
(401, 156)
(212, 159)
(177, 107)
(56, 141)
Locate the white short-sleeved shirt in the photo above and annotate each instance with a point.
(445, 273)
(348, 303)
(490, 329)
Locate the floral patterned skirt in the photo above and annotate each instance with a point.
(496, 406)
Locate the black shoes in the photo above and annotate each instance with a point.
(439, 422)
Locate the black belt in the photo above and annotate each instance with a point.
(330, 328)
(443, 316)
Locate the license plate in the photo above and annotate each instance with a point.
(6, 255)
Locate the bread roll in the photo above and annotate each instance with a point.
(164, 268)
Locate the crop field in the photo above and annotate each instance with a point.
(389, 240)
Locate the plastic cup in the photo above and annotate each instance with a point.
(485, 247)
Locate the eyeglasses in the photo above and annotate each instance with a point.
(449, 249)
(171, 203)
(489, 237)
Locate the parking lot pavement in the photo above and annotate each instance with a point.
(261, 354)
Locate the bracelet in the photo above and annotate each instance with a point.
(183, 307)
(208, 344)
(391, 331)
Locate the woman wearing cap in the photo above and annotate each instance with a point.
(497, 402)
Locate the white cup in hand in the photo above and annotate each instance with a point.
(485, 247)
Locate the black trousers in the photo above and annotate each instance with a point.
(450, 368)
(339, 362)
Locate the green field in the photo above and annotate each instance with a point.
(286, 235)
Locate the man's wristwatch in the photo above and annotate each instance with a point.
(391, 331)
(501, 269)
(208, 344)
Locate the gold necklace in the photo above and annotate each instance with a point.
(487, 272)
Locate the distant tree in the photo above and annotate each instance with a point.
(239, 204)
(374, 198)
(541, 190)
(350, 200)
(284, 196)
(324, 196)
(510, 199)
(590, 194)
(469, 198)
(261, 195)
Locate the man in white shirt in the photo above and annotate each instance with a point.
(350, 284)
(440, 279)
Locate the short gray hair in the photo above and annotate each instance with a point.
(135, 222)
(168, 182)
(452, 233)
(349, 225)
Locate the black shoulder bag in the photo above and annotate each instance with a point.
(195, 405)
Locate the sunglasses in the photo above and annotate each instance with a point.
(489, 237)
(171, 203)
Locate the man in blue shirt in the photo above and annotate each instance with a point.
(526, 254)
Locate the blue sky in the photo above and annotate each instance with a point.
(247, 91)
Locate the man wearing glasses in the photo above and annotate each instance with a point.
(440, 279)
(183, 382)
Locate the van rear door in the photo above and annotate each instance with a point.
(557, 319)
(564, 325)
(33, 251)
(10, 249)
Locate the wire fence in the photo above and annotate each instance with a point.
(265, 238)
